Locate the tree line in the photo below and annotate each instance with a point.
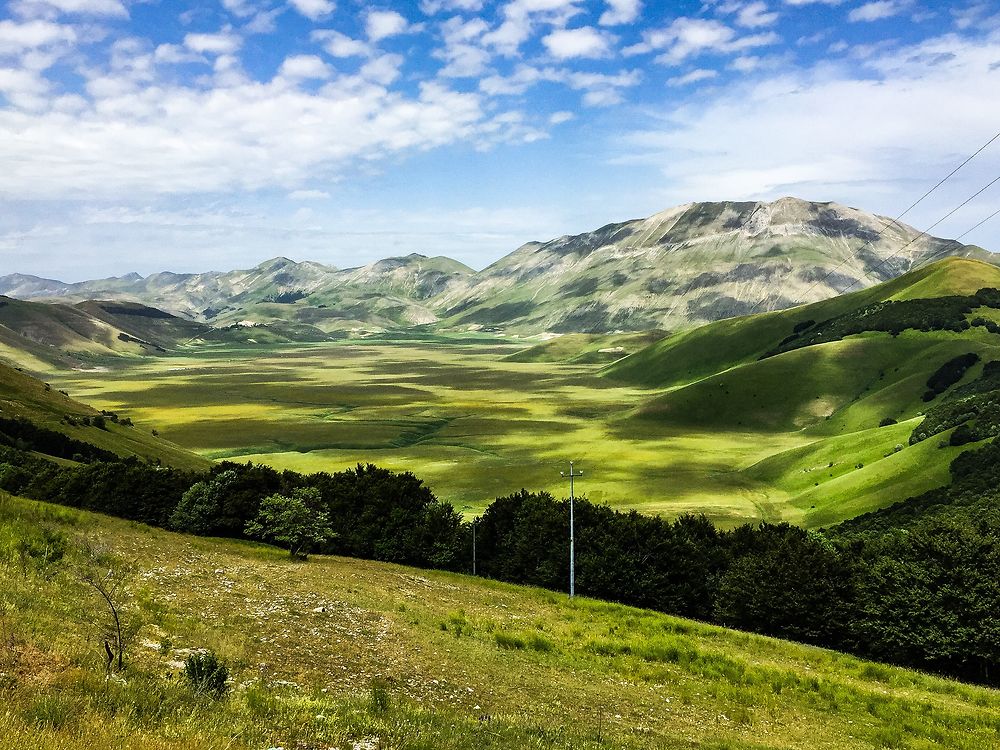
(916, 584)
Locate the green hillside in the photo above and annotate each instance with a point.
(715, 347)
(745, 375)
(353, 654)
(25, 397)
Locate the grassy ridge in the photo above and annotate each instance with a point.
(22, 396)
(716, 347)
(456, 663)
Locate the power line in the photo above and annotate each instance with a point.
(891, 222)
(948, 215)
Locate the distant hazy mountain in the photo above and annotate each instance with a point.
(685, 266)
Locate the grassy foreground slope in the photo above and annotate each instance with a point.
(25, 397)
(456, 662)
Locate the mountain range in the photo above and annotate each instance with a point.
(683, 267)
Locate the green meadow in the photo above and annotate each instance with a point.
(347, 653)
(475, 423)
(702, 421)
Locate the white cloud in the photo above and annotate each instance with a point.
(313, 9)
(877, 10)
(620, 12)
(17, 37)
(745, 64)
(558, 118)
(383, 69)
(975, 15)
(305, 67)
(308, 195)
(463, 51)
(522, 16)
(598, 88)
(337, 44)
(433, 7)
(875, 140)
(229, 133)
(107, 8)
(755, 15)
(586, 41)
(263, 22)
(223, 43)
(691, 37)
(813, 2)
(381, 24)
(695, 76)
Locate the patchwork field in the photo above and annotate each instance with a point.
(475, 424)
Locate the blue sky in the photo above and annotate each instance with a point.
(142, 136)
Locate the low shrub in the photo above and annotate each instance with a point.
(207, 674)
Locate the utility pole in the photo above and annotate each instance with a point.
(572, 531)
(475, 520)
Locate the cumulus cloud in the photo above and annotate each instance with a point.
(690, 37)
(755, 15)
(877, 10)
(381, 24)
(314, 9)
(558, 118)
(599, 89)
(620, 12)
(586, 41)
(337, 44)
(107, 8)
(433, 7)
(463, 52)
(383, 69)
(520, 18)
(168, 139)
(18, 37)
(223, 43)
(305, 67)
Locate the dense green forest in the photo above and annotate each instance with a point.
(916, 584)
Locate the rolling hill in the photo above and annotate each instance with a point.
(25, 397)
(685, 266)
(858, 398)
(39, 335)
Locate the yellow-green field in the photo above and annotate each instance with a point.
(475, 425)
(340, 653)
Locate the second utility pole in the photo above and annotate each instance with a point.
(572, 540)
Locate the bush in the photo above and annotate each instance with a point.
(962, 435)
(207, 674)
(887, 422)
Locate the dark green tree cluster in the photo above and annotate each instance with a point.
(373, 513)
(25, 435)
(894, 317)
(948, 374)
(974, 409)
